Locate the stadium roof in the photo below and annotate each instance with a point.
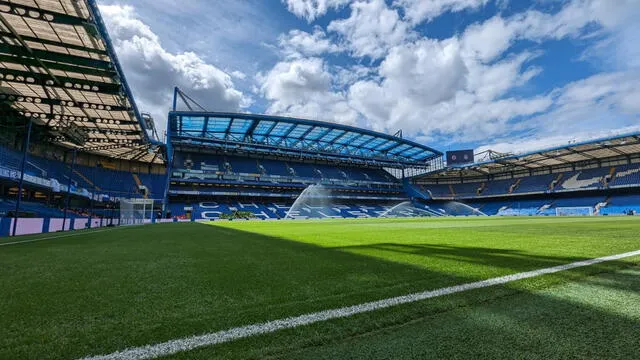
(296, 136)
(593, 151)
(57, 66)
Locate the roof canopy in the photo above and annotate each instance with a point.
(591, 152)
(57, 66)
(295, 136)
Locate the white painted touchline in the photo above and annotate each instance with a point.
(55, 237)
(194, 342)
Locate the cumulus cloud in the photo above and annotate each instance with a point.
(371, 29)
(238, 75)
(153, 71)
(420, 10)
(459, 89)
(527, 144)
(436, 88)
(599, 106)
(490, 39)
(347, 76)
(297, 43)
(304, 87)
(312, 9)
(602, 100)
(462, 89)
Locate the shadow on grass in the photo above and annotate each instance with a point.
(71, 298)
(504, 258)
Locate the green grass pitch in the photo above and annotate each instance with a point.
(98, 292)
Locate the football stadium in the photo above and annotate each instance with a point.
(249, 236)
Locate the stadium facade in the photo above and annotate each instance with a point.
(75, 147)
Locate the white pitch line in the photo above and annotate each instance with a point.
(54, 237)
(194, 342)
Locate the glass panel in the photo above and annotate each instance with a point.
(316, 133)
(349, 150)
(361, 140)
(420, 155)
(218, 135)
(218, 124)
(240, 126)
(281, 129)
(368, 152)
(410, 151)
(347, 138)
(376, 143)
(332, 135)
(298, 131)
(273, 140)
(263, 127)
(192, 123)
(388, 145)
(399, 149)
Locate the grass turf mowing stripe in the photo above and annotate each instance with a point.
(194, 342)
(53, 237)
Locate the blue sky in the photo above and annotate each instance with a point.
(509, 75)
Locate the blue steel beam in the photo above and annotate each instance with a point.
(323, 134)
(309, 130)
(309, 152)
(66, 200)
(378, 140)
(250, 130)
(228, 130)
(21, 183)
(314, 123)
(335, 140)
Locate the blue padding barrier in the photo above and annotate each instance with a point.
(5, 226)
(45, 225)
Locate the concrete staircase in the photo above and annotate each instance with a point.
(86, 179)
(139, 184)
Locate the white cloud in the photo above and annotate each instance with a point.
(490, 39)
(432, 87)
(620, 51)
(460, 89)
(153, 71)
(347, 76)
(298, 43)
(420, 10)
(313, 9)
(371, 29)
(489, 82)
(431, 70)
(598, 106)
(530, 144)
(304, 87)
(238, 75)
(603, 100)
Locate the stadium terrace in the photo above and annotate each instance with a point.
(90, 150)
(79, 161)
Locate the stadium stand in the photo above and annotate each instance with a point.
(90, 178)
(89, 149)
(601, 175)
(591, 179)
(274, 159)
